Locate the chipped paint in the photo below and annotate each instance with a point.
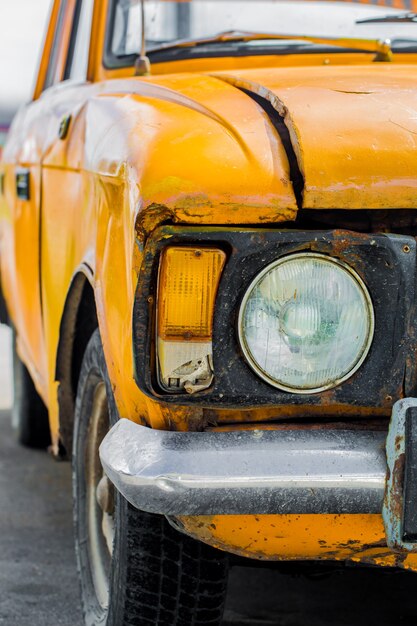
(394, 501)
(293, 537)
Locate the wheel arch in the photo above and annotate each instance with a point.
(79, 321)
(4, 315)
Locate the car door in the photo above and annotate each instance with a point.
(35, 132)
(64, 191)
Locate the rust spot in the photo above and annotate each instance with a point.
(351, 543)
(400, 558)
(375, 425)
(150, 218)
(371, 560)
(397, 486)
(371, 546)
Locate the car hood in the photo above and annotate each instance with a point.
(353, 130)
(209, 149)
(195, 149)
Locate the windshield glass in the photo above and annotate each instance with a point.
(167, 21)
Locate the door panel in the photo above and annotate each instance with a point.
(20, 246)
(26, 218)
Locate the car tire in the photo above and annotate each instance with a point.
(29, 414)
(151, 574)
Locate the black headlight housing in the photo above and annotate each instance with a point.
(387, 265)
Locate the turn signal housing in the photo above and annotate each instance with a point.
(187, 289)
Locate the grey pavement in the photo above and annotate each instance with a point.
(38, 581)
(38, 585)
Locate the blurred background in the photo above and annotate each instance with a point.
(22, 28)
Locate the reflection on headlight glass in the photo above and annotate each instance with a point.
(306, 322)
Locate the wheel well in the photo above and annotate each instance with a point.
(78, 323)
(4, 317)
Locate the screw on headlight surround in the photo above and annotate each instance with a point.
(306, 337)
(187, 288)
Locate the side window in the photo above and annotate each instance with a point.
(77, 61)
(55, 64)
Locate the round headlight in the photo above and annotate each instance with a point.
(306, 323)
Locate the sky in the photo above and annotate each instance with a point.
(22, 29)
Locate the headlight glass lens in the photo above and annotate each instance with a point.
(306, 323)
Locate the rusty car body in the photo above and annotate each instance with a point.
(146, 206)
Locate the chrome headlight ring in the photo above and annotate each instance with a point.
(291, 330)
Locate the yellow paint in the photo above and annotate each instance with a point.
(363, 118)
(358, 538)
(186, 145)
(286, 537)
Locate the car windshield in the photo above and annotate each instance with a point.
(167, 21)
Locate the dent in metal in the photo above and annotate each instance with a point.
(365, 123)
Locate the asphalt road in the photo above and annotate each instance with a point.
(38, 581)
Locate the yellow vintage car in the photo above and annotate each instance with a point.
(208, 259)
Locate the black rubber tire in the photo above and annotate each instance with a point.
(158, 576)
(29, 414)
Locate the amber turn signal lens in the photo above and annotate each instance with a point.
(188, 282)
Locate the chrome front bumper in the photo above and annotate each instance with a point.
(276, 471)
(247, 472)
